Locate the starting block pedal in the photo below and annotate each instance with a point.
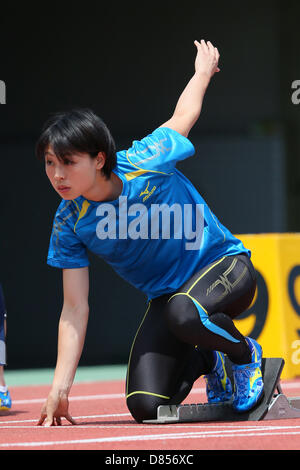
(274, 404)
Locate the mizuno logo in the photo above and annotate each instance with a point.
(146, 193)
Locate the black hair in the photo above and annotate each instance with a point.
(78, 130)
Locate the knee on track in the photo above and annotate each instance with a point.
(144, 406)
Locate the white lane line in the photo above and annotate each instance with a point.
(209, 429)
(107, 396)
(146, 426)
(112, 396)
(113, 415)
(109, 426)
(152, 437)
(103, 396)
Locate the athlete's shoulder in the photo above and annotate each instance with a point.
(66, 249)
(67, 213)
(159, 150)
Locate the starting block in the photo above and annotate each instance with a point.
(273, 406)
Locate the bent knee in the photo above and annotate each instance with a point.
(183, 318)
(143, 406)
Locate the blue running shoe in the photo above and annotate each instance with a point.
(248, 382)
(218, 384)
(5, 401)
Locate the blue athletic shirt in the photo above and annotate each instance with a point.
(157, 234)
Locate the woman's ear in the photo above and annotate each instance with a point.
(100, 160)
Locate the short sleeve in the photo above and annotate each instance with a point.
(160, 151)
(66, 250)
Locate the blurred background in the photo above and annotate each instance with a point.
(129, 62)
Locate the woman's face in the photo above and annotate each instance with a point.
(76, 175)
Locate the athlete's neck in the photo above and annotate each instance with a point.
(105, 189)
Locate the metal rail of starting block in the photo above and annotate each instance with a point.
(274, 404)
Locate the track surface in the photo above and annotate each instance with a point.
(105, 424)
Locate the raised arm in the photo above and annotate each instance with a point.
(189, 105)
(71, 336)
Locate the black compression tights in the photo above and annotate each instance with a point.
(163, 362)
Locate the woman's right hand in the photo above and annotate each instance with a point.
(55, 408)
(207, 58)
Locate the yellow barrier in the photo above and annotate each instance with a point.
(274, 315)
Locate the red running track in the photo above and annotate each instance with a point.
(105, 424)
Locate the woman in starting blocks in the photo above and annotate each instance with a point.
(196, 275)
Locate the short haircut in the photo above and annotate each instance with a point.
(78, 130)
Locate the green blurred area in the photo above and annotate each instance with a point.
(84, 374)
